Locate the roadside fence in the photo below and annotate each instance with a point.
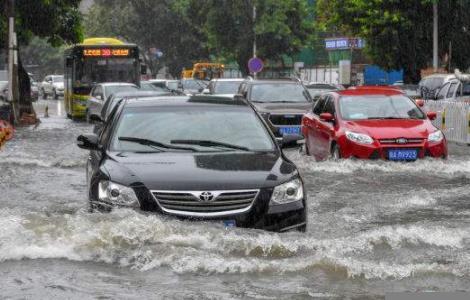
(453, 119)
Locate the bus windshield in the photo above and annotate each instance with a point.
(97, 70)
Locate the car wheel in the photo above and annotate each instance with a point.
(54, 93)
(43, 93)
(335, 152)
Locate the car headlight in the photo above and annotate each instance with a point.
(117, 194)
(287, 192)
(359, 138)
(436, 136)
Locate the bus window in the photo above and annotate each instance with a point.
(92, 71)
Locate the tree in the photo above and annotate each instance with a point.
(150, 24)
(398, 34)
(58, 21)
(280, 27)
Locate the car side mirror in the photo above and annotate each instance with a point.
(420, 102)
(432, 115)
(96, 118)
(327, 117)
(88, 142)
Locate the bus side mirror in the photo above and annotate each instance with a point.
(143, 69)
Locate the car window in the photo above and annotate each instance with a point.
(329, 106)
(278, 92)
(318, 108)
(378, 107)
(236, 126)
(120, 88)
(97, 91)
(443, 92)
(450, 93)
(225, 87)
(465, 89)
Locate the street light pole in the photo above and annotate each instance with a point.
(435, 61)
(254, 34)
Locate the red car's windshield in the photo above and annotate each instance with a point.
(378, 107)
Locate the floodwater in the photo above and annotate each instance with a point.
(374, 227)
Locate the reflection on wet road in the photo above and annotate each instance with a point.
(374, 227)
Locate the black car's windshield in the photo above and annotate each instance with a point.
(378, 107)
(226, 87)
(205, 129)
(278, 92)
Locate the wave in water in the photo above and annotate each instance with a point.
(145, 242)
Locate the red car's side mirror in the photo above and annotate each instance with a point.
(420, 102)
(431, 115)
(327, 117)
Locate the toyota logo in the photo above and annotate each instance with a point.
(401, 141)
(206, 196)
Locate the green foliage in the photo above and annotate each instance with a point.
(188, 30)
(43, 58)
(399, 33)
(151, 24)
(281, 27)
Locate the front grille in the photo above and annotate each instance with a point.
(193, 203)
(285, 119)
(401, 141)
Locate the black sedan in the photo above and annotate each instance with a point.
(203, 158)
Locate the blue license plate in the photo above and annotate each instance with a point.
(403, 154)
(289, 130)
(230, 223)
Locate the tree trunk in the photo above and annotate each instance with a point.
(411, 74)
(24, 85)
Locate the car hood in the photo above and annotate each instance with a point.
(283, 108)
(386, 129)
(200, 171)
(59, 85)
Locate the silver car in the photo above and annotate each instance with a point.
(101, 92)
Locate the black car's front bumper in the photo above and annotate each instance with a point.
(262, 215)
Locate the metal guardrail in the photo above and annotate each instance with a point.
(453, 118)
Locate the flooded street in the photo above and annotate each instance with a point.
(374, 227)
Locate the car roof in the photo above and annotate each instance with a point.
(440, 76)
(228, 79)
(138, 93)
(116, 84)
(370, 92)
(268, 81)
(206, 100)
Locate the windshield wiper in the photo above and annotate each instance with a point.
(387, 118)
(207, 143)
(151, 143)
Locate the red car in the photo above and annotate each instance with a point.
(371, 124)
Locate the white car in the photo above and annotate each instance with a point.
(101, 92)
(52, 85)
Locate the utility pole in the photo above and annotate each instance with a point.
(254, 33)
(435, 61)
(12, 62)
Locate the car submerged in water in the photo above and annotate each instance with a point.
(371, 124)
(199, 158)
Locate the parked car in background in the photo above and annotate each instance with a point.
(213, 161)
(371, 124)
(317, 88)
(429, 85)
(101, 92)
(174, 86)
(282, 103)
(224, 86)
(52, 85)
(456, 89)
(150, 86)
(34, 90)
(193, 86)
